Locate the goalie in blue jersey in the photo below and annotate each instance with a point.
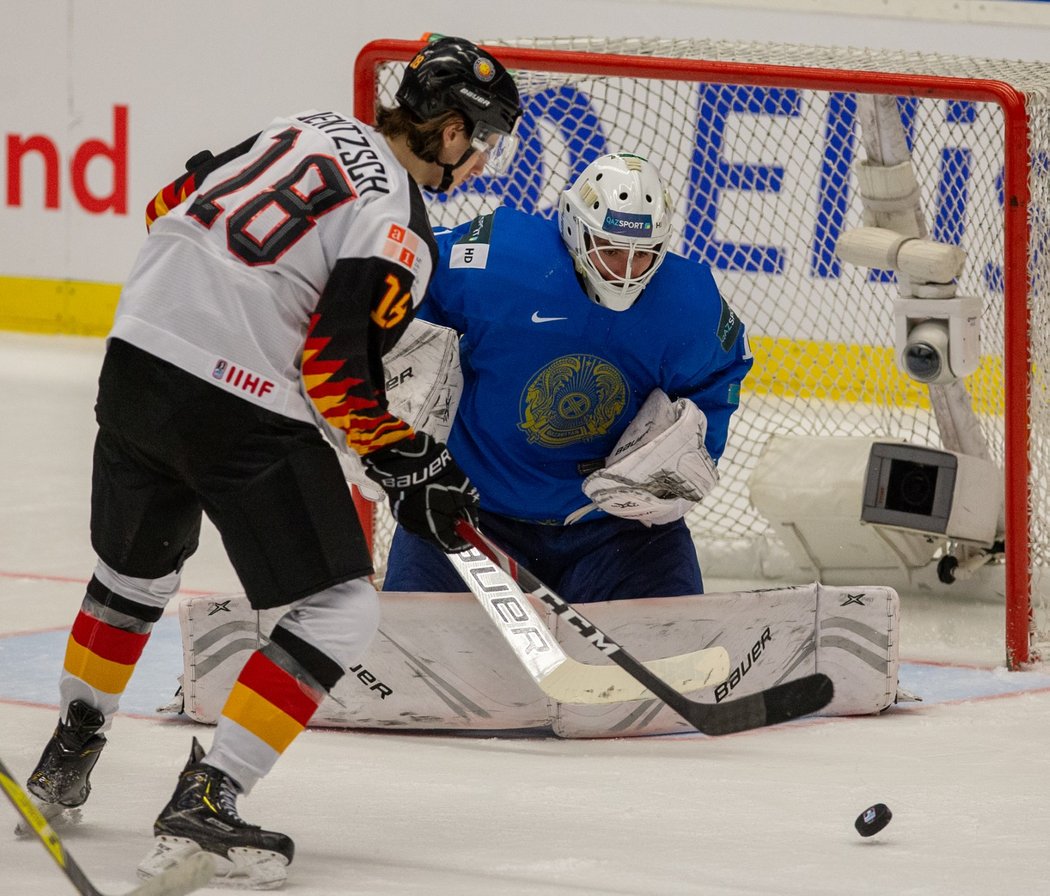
(599, 375)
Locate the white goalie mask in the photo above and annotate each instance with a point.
(615, 220)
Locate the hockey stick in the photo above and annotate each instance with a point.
(558, 675)
(780, 703)
(188, 875)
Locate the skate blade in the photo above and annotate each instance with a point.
(57, 816)
(242, 869)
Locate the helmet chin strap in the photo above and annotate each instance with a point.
(449, 172)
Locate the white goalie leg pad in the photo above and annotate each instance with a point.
(439, 664)
(658, 469)
(219, 633)
(849, 634)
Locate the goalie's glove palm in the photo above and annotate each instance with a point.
(428, 491)
(659, 467)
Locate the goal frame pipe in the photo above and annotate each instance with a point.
(1016, 198)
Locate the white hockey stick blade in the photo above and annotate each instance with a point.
(185, 877)
(558, 675)
(687, 672)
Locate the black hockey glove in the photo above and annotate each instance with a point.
(428, 492)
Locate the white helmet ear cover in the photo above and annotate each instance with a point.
(621, 199)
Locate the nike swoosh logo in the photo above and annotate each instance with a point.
(536, 319)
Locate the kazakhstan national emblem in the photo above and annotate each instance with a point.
(574, 398)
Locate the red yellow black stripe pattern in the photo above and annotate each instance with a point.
(197, 169)
(102, 655)
(170, 196)
(348, 403)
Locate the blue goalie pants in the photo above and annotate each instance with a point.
(607, 559)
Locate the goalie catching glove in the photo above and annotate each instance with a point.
(428, 491)
(659, 467)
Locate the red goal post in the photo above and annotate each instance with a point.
(648, 96)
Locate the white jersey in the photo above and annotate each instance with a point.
(282, 269)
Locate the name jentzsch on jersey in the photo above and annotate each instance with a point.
(356, 153)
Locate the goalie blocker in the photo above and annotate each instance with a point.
(438, 664)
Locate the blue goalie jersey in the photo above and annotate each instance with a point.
(552, 379)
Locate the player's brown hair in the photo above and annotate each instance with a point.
(423, 137)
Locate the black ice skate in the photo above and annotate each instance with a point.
(61, 777)
(60, 783)
(202, 815)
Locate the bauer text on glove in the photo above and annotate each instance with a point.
(428, 491)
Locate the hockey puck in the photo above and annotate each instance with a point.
(873, 819)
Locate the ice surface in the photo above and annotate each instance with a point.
(768, 812)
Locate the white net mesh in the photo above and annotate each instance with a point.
(763, 174)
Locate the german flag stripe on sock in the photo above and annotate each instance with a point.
(110, 643)
(102, 656)
(270, 703)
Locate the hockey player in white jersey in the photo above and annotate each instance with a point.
(274, 278)
(599, 373)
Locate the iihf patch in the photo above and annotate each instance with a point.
(244, 382)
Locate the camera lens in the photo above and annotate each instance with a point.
(911, 487)
(923, 362)
(925, 356)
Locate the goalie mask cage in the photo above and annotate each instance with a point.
(758, 144)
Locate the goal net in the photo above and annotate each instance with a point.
(760, 144)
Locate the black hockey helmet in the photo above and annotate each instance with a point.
(451, 73)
